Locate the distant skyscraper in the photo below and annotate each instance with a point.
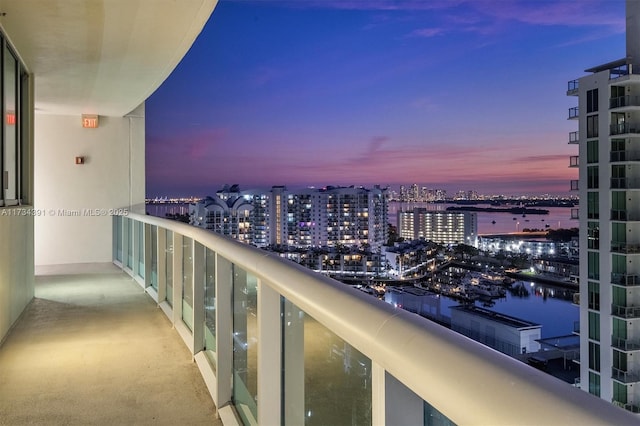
(608, 139)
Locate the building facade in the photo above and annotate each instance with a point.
(443, 227)
(608, 160)
(326, 217)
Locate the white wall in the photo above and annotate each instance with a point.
(16, 266)
(112, 177)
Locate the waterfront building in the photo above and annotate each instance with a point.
(444, 227)
(275, 342)
(535, 247)
(608, 139)
(242, 215)
(507, 334)
(304, 218)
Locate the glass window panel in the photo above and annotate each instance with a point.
(593, 265)
(187, 282)
(594, 356)
(210, 305)
(619, 392)
(593, 201)
(594, 295)
(10, 134)
(594, 326)
(245, 345)
(594, 384)
(333, 377)
(169, 267)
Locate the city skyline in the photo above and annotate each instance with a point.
(457, 95)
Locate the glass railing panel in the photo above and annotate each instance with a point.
(127, 232)
(154, 257)
(433, 417)
(139, 246)
(187, 282)
(117, 238)
(168, 250)
(210, 306)
(245, 345)
(326, 381)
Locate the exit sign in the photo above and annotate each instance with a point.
(89, 121)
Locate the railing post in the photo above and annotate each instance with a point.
(147, 254)
(269, 355)
(162, 265)
(378, 406)
(177, 278)
(224, 330)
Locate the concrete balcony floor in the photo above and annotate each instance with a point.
(92, 348)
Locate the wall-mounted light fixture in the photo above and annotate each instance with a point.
(79, 160)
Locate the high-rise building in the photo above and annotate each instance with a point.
(327, 217)
(445, 227)
(608, 139)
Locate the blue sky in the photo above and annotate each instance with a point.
(448, 94)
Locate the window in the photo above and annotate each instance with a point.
(594, 295)
(592, 126)
(14, 129)
(593, 265)
(593, 201)
(619, 392)
(594, 356)
(592, 100)
(594, 326)
(593, 235)
(592, 177)
(592, 151)
(594, 384)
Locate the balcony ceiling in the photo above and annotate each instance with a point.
(101, 56)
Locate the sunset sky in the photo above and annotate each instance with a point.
(447, 94)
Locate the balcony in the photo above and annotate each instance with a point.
(627, 345)
(572, 88)
(624, 156)
(574, 185)
(625, 280)
(271, 337)
(575, 213)
(625, 183)
(626, 312)
(574, 161)
(624, 101)
(574, 137)
(574, 113)
(625, 247)
(625, 215)
(624, 128)
(624, 376)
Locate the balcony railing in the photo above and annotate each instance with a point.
(623, 128)
(574, 137)
(626, 280)
(625, 215)
(572, 87)
(576, 327)
(624, 101)
(625, 311)
(573, 113)
(574, 161)
(574, 185)
(624, 376)
(625, 183)
(272, 338)
(575, 213)
(620, 71)
(622, 156)
(627, 345)
(625, 247)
